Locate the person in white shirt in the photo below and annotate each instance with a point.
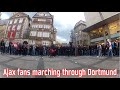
(110, 53)
(99, 50)
(7, 47)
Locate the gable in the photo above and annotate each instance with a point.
(42, 14)
(19, 14)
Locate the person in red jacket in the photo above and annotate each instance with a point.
(52, 51)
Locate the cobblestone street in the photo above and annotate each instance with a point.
(58, 63)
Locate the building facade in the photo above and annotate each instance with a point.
(3, 24)
(18, 27)
(106, 27)
(78, 37)
(42, 30)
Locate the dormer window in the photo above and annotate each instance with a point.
(21, 20)
(41, 14)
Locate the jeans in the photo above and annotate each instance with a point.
(100, 53)
(6, 49)
(2, 49)
(110, 53)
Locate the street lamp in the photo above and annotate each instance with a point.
(106, 27)
(76, 49)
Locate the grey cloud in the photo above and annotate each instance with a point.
(63, 31)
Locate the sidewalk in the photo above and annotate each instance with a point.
(57, 63)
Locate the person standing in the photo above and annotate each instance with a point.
(44, 50)
(10, 48)
(110, 53)
(7, 47)
(99, 50)
(2, 46)
(68, 51)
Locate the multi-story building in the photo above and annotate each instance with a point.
(79, 37)
(94, 17)
(42, 29)
(102, 26)
(18, 27)
(3, 24)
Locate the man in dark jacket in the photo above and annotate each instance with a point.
(2, 46)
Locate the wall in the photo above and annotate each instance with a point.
(94, 17)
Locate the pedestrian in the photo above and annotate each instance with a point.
(99, 50)
(110, 53)
(7, 47)
(68, 51)
(2, 46)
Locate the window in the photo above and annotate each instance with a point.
(13, 27)
(42, 20)
(41, 14)
(12, 34)
(49, 26)
(21, 20)
(15, 21)
(10, 21)
(33, 33)
(9, 27)
(45, 43)
(17, 34)
(33, 26)
(46, 26)
(8, 34)
(39, 34)
(19, 27)
(46, 34)
(37, 26)
(30, 33)
(40, 26)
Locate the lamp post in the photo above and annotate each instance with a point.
(76, 49)
(105, 27)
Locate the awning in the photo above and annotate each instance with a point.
(102, 23)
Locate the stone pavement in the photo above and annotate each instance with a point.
(58, 63)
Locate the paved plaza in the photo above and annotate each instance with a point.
(58, 63)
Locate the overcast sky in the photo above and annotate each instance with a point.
(63, 21)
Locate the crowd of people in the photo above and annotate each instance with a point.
(111, 49)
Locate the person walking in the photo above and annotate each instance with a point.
(99, 50)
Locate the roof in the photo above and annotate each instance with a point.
(20, 14)
(80, 22)
(102, 23)
(42, 14)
